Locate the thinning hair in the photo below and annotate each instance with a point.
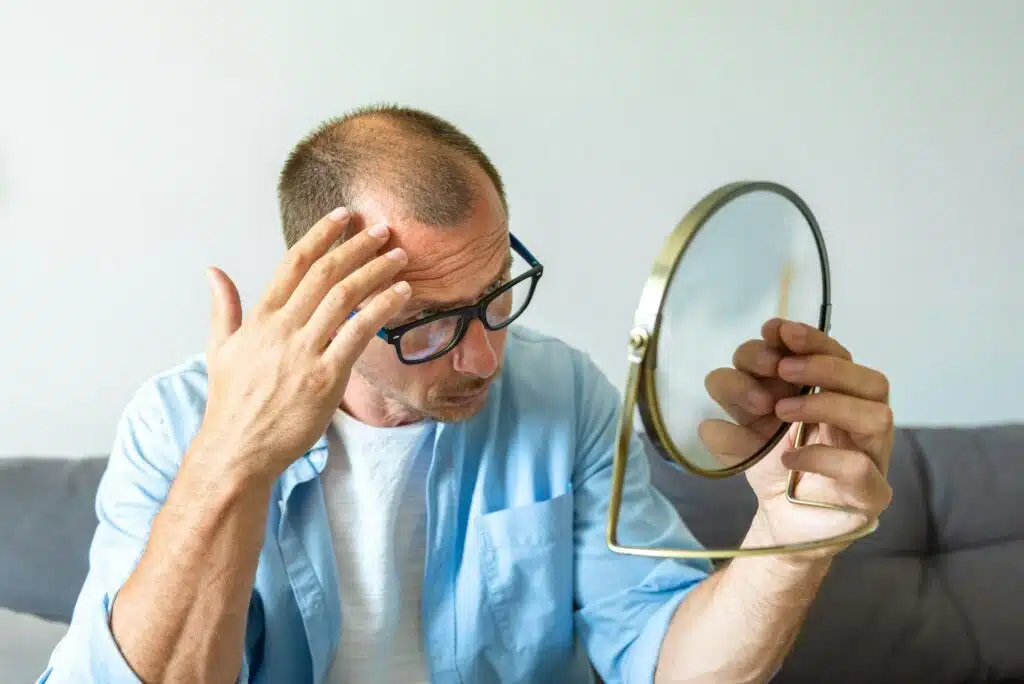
(422, 162)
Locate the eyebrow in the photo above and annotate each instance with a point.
(415, 304)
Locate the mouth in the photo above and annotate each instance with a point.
(467, 397)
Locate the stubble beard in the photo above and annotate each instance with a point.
(436, 407)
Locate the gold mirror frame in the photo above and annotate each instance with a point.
(640, 386)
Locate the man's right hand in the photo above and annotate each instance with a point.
(276, 378)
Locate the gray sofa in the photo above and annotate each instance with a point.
(936, 595)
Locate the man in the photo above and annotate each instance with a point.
(418, 492)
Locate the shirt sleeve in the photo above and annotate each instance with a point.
(624, 602)
(141, 466)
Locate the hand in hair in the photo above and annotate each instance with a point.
(277, 377)
(275, 380)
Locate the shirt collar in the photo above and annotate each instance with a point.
(309, 465)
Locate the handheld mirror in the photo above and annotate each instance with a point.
(746, 254)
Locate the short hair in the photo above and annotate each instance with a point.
(421, 160)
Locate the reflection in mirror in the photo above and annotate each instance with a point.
(753, 260)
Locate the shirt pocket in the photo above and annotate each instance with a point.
(528, 573)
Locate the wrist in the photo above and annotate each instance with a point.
(799, 565)
(226, 465)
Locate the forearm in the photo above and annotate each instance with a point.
(181, 614)
(739, 625)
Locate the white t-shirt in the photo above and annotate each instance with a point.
(374, 485)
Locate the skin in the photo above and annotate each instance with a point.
(277, 378)
(750, 613)
(275, 381)
(447, 268)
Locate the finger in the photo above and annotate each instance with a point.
(800, 338)
(301, 257)
(226, 306)
(836, 374)
(867, 422)
(739, 394)
(745, 398)
(770, 333)
(345, 296)
(757, 358)
(730, 444)
(336, 267)
(356, 333)
(858, 480)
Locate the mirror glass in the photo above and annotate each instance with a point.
(754, 259)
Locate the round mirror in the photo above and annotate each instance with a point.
(745, 256)
(755, 256)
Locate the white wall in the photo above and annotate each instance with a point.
(141, 141)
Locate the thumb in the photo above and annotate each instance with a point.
(226, 314)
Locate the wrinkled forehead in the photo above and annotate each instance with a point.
(453, 267)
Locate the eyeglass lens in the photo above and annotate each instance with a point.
(432, 338)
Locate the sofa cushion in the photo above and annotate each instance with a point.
(26, 642)
(935, 594)
(47, 509)
(976, 483)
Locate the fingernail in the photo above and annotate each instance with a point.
(378, 231)
(398, 254)
(402, 288)
(338, 214)
(787, 406)
(797, 331)
(767, 358)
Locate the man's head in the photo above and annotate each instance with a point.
(445, 205)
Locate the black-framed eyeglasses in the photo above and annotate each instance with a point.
(433, 336)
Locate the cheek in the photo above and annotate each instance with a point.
(415, 378)
(380, 359)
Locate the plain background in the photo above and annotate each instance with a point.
(140, 142)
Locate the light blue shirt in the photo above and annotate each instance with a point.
(519, 583)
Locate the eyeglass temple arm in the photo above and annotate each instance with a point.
(382, 333)
(523, 252)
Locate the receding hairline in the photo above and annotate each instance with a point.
(426, 168)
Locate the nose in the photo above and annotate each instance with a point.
(475, 355)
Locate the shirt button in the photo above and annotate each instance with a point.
(317, 606)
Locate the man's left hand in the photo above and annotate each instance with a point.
(848, 424)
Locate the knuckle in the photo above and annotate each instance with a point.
(320, 378)
(826, 365)
(861, 468)
(887, 495)
(297, 262)
(322, 272)
(341, 294)
(883, 385)
(886, 419)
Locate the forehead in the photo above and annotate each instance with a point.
(452, 266)
(447, 265)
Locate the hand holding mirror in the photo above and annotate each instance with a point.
(700, 375)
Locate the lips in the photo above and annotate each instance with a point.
(463, 397)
